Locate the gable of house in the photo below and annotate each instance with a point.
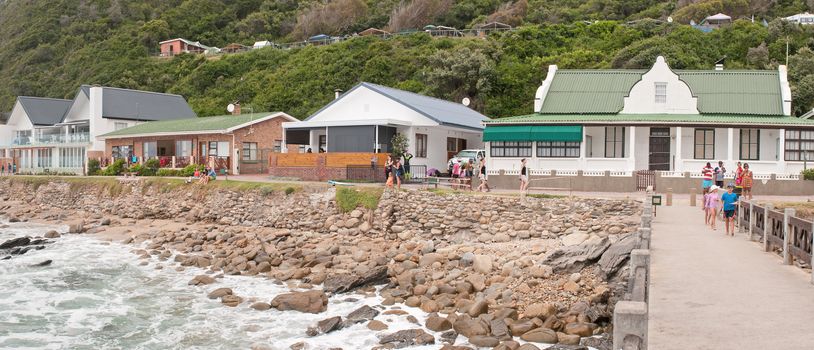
(43, 111)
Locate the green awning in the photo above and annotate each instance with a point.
(561, 133)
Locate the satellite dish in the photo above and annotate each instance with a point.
(669, 19)
(465, 101)
(230, 108)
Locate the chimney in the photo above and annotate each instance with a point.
(337, 92)
(719, 66)
(236, 111)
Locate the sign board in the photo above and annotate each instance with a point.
(656, 200)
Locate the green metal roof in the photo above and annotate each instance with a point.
(735, 92)
(202, 124)
(589, 91)
(554, 133)
(718, 92)
(634, 119)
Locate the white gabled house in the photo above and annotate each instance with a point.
(60, 135)
(624, 120)
(365, 118)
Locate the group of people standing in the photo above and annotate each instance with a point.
(395, 170)
(726, 203)
(742, 177)
(8, 168)
(466, 171)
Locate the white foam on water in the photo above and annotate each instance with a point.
(96, 295)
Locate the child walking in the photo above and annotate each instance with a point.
(713, 205)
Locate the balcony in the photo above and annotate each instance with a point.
(53, 139)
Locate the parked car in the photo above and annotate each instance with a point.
(466, 155)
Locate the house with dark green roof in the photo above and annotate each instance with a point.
(239, 143)
(674, 121)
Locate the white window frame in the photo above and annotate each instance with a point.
(660, 92)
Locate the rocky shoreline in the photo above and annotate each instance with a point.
(496, 270)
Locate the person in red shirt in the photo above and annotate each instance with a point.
(707, 172)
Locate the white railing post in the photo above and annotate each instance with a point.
(173, 162)
(787, 232)
(766, 226)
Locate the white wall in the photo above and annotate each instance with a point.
(641, 99)
(98, 124)
(363, 103)
(437, 144)
(642, 148)
(18, 120)
(80, 109)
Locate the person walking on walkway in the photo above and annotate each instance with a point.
(707, 173)
(407, 157)
(747, 179)
(483, 186)
(712, 204)
(388, 167)
(398, 170)
(524, 178)
(729, 199)
(720, 174)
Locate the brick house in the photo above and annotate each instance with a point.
(240, 143)
(178, 46)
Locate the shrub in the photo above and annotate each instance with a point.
(189, 170)
(289, 190)
(114, 169)
(150, 167)
(168, 172)
(808, 174)
(136, 169)
(93, 167)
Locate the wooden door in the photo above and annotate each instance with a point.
(660, 149)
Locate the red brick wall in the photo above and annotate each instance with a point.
(175, 45)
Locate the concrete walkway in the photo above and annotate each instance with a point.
(710, 291)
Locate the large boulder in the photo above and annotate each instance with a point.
(437, 323)
(16, 242)
(312, 301)
(482, 264)
(344, 282)
(573, 258)
(617, 254)
(540, 335)
(364, 313)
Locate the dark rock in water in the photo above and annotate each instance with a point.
(19, 250)
(6, 257)
(343, 282)
(38, 241)
(39, 247)
(362, 314)
(16, 242)
(44, 263)
(567, 347)
(330, 324)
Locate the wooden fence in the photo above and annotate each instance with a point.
(783, 231)
(330, 160)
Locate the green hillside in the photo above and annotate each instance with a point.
(49, 48)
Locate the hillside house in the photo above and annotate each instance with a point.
(178, 46)
(801, 18)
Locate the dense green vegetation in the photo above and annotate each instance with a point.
(49, 48)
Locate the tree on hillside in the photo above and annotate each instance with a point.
(511, 13)
(461, 72)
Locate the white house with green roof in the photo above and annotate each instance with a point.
(673, 121)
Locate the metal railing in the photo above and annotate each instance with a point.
(52, 139)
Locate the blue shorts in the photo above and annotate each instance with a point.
(729, 213)
(706, 184)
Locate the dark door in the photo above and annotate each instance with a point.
(660, 149)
